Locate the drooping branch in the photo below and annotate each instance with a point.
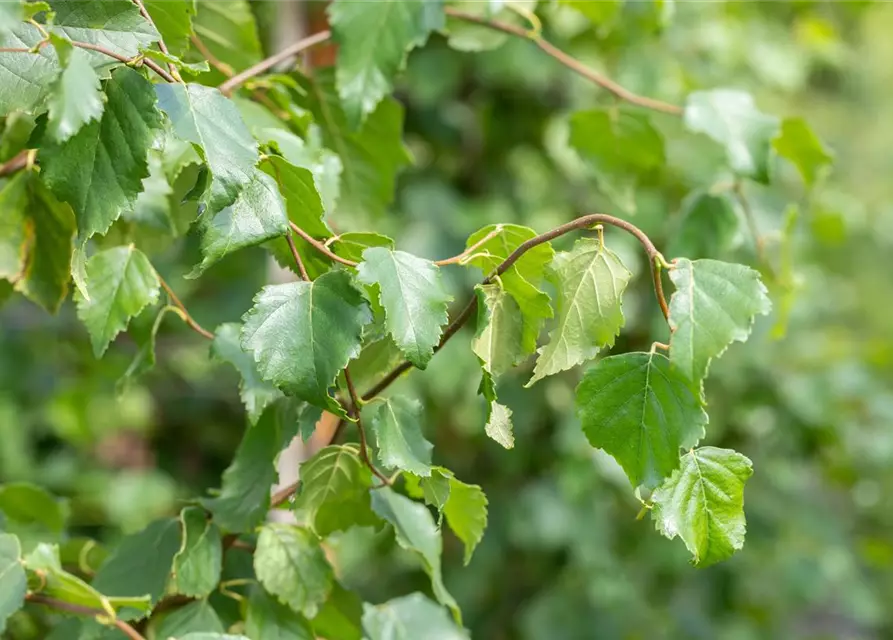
(81, 610)
(356, 403)
(184, 314)
(170, 65)
(297, 256)
(655, 259)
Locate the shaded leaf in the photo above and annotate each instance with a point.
(798, 143)
(173, 19)
(398, 433)
(291, 565)
(374, 40)
(268, 619)
(257, 215)
(99, 171)
(370, 156)
(499, 417)
(197, 565)
(590, 281)
(256, 394)
(730, 118)
(29, 504)
(13, 582)
(713, 306)
(194, 617)
(229, 32)
(144, 360)
(352, 244)
(335, 490)
(339, 617)
(465, 511)
(707, 228)
(415, 531)
(413, 296)
(703, 503)
(498, 341)
(120, 283)
(302, 334)
(309, 154)
(410, 617)
(641, 411)
(206, 118)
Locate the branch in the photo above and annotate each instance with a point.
(145, 13)
(355, 410)
(470, 250)
(297, 256)
(188, 319)
(322, 248)
(81, 610)
(16, 163)
(292, 50)
(570, 62)
(655, 259)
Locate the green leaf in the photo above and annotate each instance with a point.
(173, 19)
(25, 79)
(730, 118)
(499, 417)
(415, 531)
(206, 118)
(398, 431)
(370, 156)
(256, 394)
(465, 511)
(707, 227)
(413, 296)
(798, 143)
(29, 504)
(99, 171)
(305, 210)
(13, 582)
(36, 240)
(302, 334)
(76, 96)
(499, 337)
(602, 13)
(640, 410)
(311, 155)
(194, 617)
(244, 500)
(617, 141)
(434, 489)
(61, 585)
(11, 13)
(270, 620)
(703, 503)
(211, 636)
(257, 215)
(352, 244)
(144, 337)
(590, 281)
(141, 563)
(229, 32)
(713, 306)
(114, 24)
(120, 283)
(197, 565)
(492, 245)
(408, 618)
(339, 617)
(291, 565)
(374, 41)
(335, 491)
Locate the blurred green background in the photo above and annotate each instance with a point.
(809, 398)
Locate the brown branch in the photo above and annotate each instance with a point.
(355, 411)
(222, 67)
(170, 65)
(470, 250)
(188, 319)
(81, 610)
(655, 259)
(322, 248)
(292, 50)
(571, 63)
(281, 497)
(297, 256)
(16, 163)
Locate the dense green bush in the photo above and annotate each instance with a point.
(156, 164)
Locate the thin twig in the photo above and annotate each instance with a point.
(355, 411)
(290, 51)
(16, 163)
(322, 248)
(93, 47)
(655, 259)
(222, 67)
(170, 65)
(297, 256)
(282, 496)
(187, 318)
(568, 61)
(750, 219)
(470, 250)
(81, 610)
